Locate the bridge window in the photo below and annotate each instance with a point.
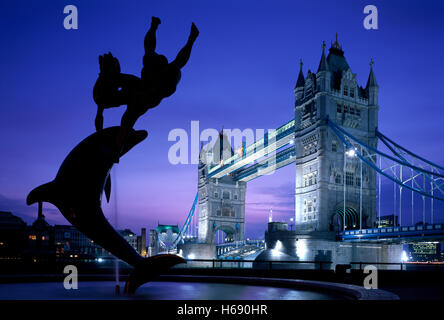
(310, 179)
(349, 178)
(338, 179)
(226, 195)
(334, 146)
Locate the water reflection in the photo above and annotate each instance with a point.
(104, 290)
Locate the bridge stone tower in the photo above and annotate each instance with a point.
(221, 201)
(332, 92)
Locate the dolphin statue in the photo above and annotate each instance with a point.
(77, 191)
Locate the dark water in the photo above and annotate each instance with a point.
(99, 290)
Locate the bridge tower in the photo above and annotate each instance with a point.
(333, 92)
(221, 201)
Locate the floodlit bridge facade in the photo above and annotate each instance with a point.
(340, 168)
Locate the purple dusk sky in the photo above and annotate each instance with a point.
(241, 74)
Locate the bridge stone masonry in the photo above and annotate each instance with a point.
(221, 201)
(333, 142)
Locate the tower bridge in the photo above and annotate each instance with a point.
(333, 143)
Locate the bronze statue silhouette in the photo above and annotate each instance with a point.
(158, 80)
(84, 174)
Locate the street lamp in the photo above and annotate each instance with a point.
(291, 225)
(351, 152)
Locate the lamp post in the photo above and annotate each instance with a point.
(351, 153)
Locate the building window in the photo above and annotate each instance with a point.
(358, 112)
(338, 179)
(345, 109)
(216, 195)
(345, 91)
(349, 178)
(226, 195)
(352, 110)
(338, 108)
(334, 146)
(352, 92)
(358, 181)
(309, 206)
(310, 179)
(226, 212)
(235, 197)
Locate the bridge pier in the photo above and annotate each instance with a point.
(197, 250)
(283, 244)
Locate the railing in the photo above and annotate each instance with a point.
(248, 264)
(401, 265)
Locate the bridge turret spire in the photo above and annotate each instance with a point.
(371, 82)
(372, 87)
(301, 79)
(323, 65)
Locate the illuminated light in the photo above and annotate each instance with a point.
(404, 256)
(291, 141)
(191, 256)
(275, 253)
(351, 152)
(301, 248)
(99, 260)
(278, 246)
(181, 252)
